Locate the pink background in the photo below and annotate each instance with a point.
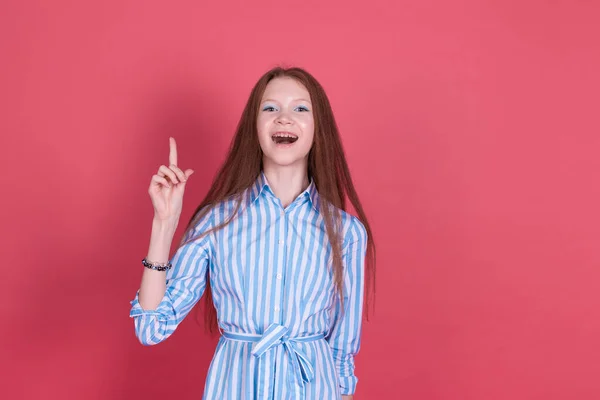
(472, 133)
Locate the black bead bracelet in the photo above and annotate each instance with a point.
(156, 266)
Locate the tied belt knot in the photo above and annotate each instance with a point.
(276, 335)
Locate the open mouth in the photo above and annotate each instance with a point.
(284, 138)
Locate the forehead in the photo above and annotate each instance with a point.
(285, 87)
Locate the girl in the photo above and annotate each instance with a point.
(281, 262)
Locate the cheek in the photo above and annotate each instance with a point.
(262, 125)
(309, 129)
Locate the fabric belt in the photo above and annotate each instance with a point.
(276, 335)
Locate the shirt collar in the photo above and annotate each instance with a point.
(261, 184)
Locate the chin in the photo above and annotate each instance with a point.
(284, 160)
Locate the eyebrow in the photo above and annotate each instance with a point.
(275, 101)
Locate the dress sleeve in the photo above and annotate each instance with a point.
(186, 282)
(344, 338)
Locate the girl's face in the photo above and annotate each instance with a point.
(285, 123)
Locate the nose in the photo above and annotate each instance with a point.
(283, 119)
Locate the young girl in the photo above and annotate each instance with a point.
(280, 260)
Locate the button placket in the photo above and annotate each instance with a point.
(286, 272)
(279, 271)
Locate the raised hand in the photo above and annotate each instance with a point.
(167, 187)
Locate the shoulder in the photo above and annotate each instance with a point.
(353, 230)
(224, 209)
(207, 217)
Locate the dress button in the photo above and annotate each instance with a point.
(279, 276)
(281, 242)
(277, 309)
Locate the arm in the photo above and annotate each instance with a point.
(344, 338)
(168, 296)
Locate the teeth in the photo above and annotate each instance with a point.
(284, 138)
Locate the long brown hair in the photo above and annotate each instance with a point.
(326, 165)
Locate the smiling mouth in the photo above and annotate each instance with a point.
(284, 138)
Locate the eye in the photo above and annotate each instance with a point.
(268, 108)
(302, 108)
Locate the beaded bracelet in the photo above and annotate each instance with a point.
(156, 266)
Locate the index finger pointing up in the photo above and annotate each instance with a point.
(172, 152)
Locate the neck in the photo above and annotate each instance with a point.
(287, 182)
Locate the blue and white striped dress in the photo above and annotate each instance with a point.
(283, 336)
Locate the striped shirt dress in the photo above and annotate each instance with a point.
(283, 335)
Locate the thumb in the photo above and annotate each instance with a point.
(188, 173)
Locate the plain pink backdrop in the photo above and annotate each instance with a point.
(472, 133)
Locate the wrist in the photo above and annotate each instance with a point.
(160, 240)
(165, 226)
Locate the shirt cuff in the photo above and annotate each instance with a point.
(348, 384)
(162, 312)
